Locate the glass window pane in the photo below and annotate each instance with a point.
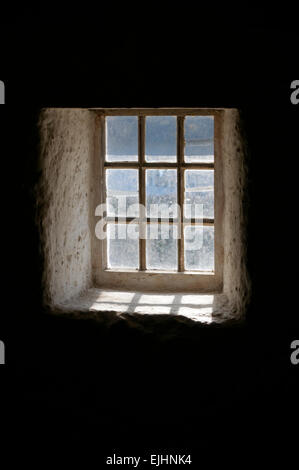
(123, 246)
(199, 193)
(161, 193)
(199, 139)
(161, 246)
(160, 139)
(122, 193)
(121, 138)
(199, 248)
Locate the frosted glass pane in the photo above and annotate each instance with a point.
(199, 138)
(160, 139)
(199, 248)
(199, 190)
(122, 193)
(121, 138)
(122, 246)
(161, 193)
(161, 247)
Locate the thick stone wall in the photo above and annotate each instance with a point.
(236, 284)
(66, 146)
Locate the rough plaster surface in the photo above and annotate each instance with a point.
(64, 201)
(66, 145)
(236, 283)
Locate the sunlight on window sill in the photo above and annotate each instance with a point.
(204, 308)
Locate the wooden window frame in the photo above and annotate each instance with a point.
(179, 280)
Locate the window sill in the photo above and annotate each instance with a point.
(159, 281)
(120, 304)
(157, 271)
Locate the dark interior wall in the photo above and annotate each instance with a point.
(199, 388)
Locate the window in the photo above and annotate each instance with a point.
(76, 158)
(161, 188)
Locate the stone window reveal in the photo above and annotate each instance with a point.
(72, 185)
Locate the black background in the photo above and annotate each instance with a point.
(228, 396)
